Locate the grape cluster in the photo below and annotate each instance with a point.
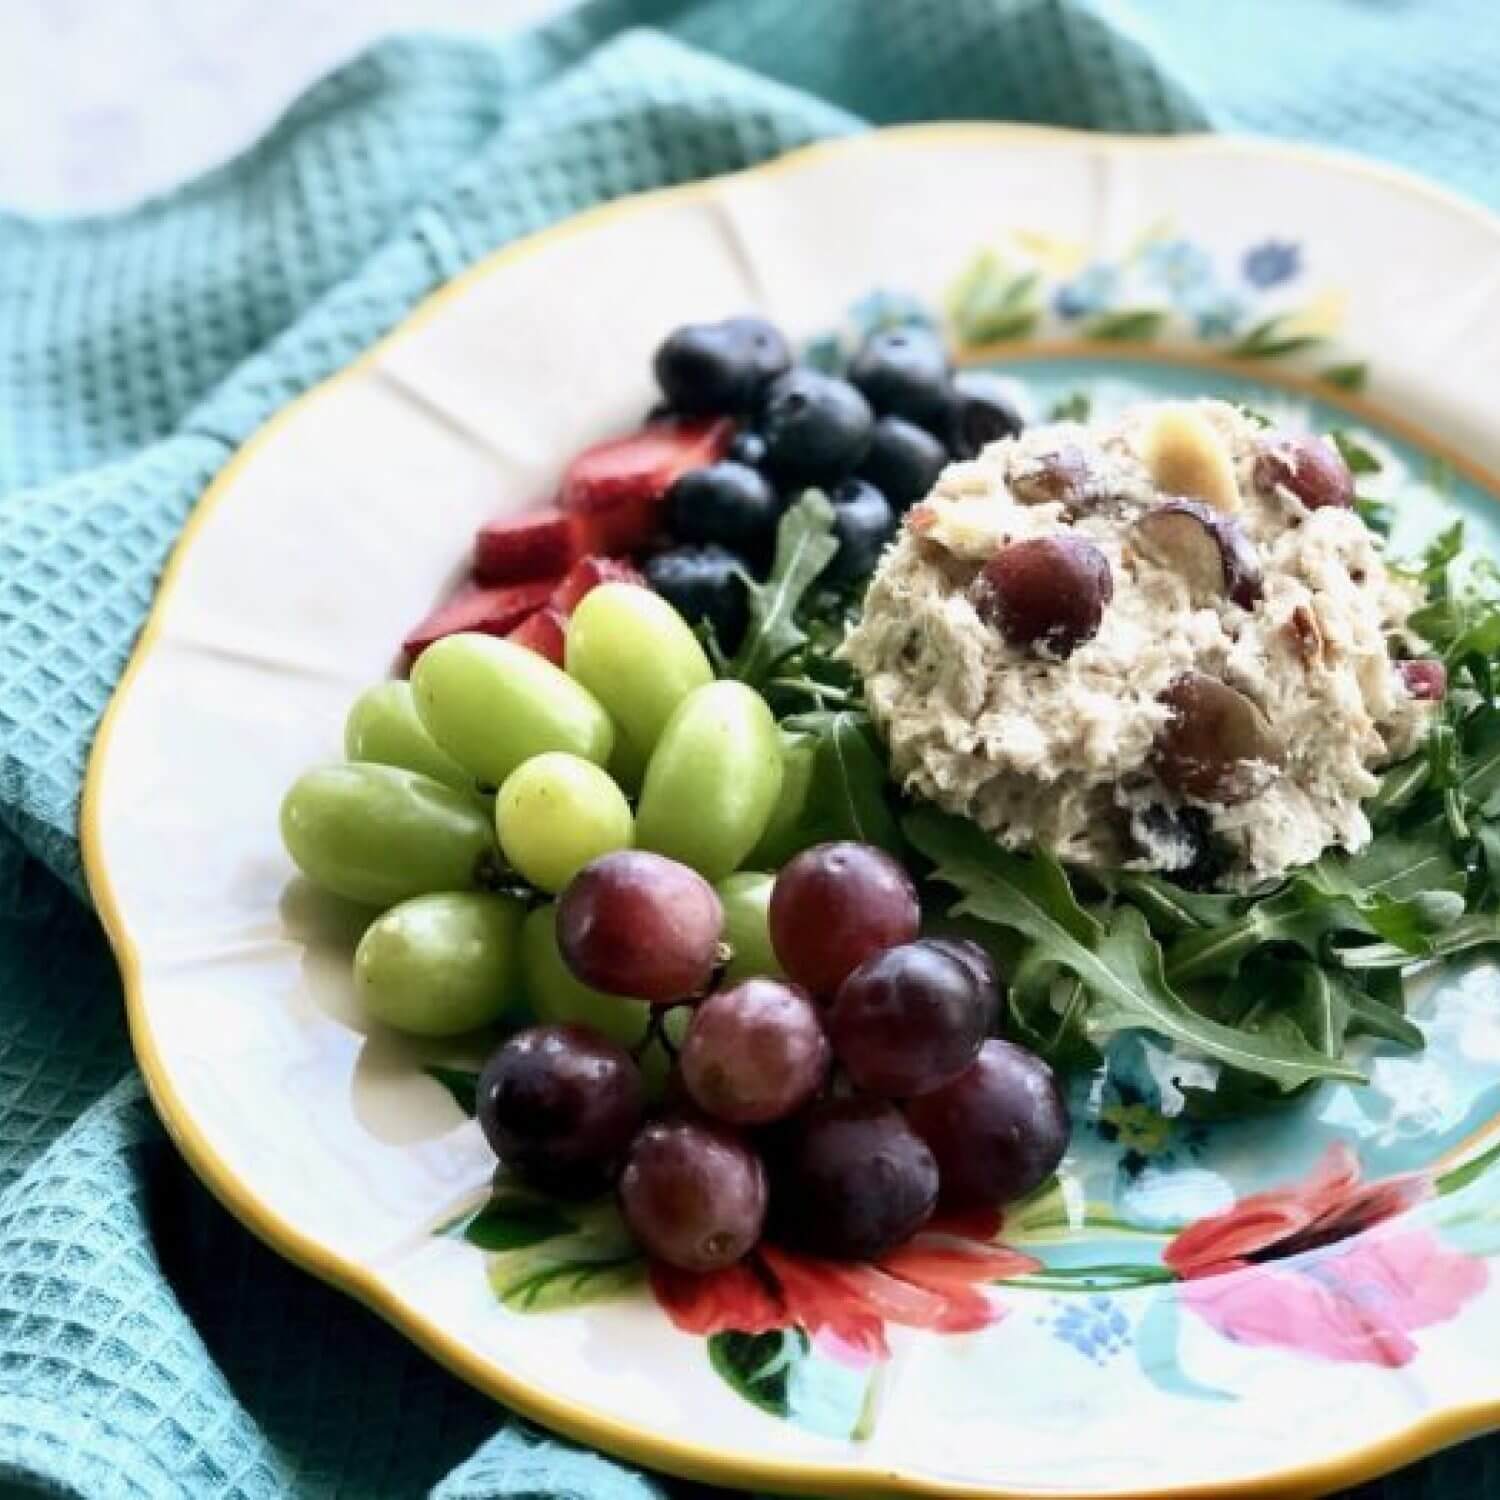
(831, 1106)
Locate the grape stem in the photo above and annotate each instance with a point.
(656, 1031)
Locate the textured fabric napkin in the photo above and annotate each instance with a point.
(147, 1345)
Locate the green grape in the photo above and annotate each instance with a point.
(713, 779)
(637, 656)
(556, 813)
(555, 996)
(492, 705)
(379, 835)
(442, 965)
(747, 899)
(383, 727)
(783, 836)
(627, 766)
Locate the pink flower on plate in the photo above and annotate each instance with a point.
(1309, 1267)
(934, 1281)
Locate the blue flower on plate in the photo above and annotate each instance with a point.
(1177, 265)
(1094, 1326)
(1219, 316)
(1092, 290)
(1271, 263)
(883, 309)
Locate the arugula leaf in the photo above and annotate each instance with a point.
(1120, 966)
(1045, 1011)
(805, 545)
(1477, 930)
(846, 797)
(1169, 907)
(1377, 1007)
(1381, 892)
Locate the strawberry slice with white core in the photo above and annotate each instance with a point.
(518, 549)
(614, 490)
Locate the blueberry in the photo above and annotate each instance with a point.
(703, 583)
(904, 461)
(720, 367)
(904, 373)
(728, 503)
(864, 522)
(981, 411)
(747, 447)
(816, 427)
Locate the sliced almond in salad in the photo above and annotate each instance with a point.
(1186, 456)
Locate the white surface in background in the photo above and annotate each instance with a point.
(105, 101)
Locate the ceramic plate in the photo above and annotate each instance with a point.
(1274, 1308)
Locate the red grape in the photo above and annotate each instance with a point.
(754, 1053)
(1217, 745)
(1209, 551)
(559, 1105)
(1048, 592)
(974, 957)
(851, 1180)
(997, 1130)
(836, 904)
(1309, 467)
(1426, 679)
(638, 924)
(908, 1020)
(693, 1194)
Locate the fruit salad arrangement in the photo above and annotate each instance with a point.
(694, 499)
(626, 821)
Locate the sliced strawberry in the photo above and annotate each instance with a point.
(494, 611)
(615, 488)
(544, 632)
(587, 574)
(516, 549)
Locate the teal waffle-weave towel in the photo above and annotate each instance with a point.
(147, 1345)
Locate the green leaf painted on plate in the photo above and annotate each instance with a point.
(462, 1085)
(1128, 326)
(989, 302)
(1119, 965)
(1346, 377)
(1267, 341)
(544, 1279)
(782, 1374)
(1156, 1351)
(1354, 453)
(512, 1222)
(825, 353)
(1072, 408)
(595, 1261)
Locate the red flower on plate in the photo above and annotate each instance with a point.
(934, 1281)
(1284, 1268)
